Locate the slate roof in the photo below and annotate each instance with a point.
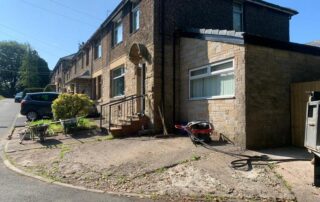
(241, 38)
(314, 43)
(226, 36)
(68, 57)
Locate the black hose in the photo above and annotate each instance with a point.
(243, 160)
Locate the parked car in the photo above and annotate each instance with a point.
(18, 97)
(37, 105)
(31, 90)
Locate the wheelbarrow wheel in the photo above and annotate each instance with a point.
(42, 139)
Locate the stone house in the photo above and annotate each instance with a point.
(59, 72)
(142, 65)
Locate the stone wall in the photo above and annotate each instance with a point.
(118, 55)
(269, 73)
(210, 14)
(176, 15)
(227, 115)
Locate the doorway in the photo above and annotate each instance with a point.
(141, 87)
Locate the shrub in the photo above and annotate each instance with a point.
(69, 106)
(86, 124)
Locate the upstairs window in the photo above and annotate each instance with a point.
(135, 23)
(117, 82)
(97, 51)
(118, 32)
(237, 16)
(212, 81)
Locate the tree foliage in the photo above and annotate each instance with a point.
(21, 67)
(34, 71)
(69, 106)
(11, 55)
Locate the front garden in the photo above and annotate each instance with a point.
(69, 117)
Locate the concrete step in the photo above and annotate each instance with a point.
(125, 121)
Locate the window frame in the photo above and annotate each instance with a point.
(135, 9)
(117, 77)
(209, 74)
(97, 50)
(116, 25)
(241, 15)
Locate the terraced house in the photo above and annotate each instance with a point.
(226, 61)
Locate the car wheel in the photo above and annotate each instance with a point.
(32, 116)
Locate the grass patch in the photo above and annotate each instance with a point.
(161, 170)
(85, 123)
(121, 179)
(195, 158)
(64, 150)
(105, 138)
(1, 97)
(272, 167)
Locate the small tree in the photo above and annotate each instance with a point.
(69, 106)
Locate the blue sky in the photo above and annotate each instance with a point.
(55, 27)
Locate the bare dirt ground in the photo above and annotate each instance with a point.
(298, 175)
(162, 168)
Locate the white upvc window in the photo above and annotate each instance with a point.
(118, 32)
(237, 16)
(135, 18)
(97, 50)
(117, 82)
(212, 81)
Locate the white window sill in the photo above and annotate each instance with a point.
(213, 98)
(118, 97)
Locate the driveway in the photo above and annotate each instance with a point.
(14, 187)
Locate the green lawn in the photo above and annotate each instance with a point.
(1, 97)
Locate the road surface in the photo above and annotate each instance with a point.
(14, 187)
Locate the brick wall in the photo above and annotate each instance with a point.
(227, 115)
(269, 73)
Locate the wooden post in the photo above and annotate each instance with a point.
(163, 122)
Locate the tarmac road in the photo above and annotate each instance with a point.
(14, 187)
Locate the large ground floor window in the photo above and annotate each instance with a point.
(212, 81)
(117, 82)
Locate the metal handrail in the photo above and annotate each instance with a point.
(118, 102)
(128, 99)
